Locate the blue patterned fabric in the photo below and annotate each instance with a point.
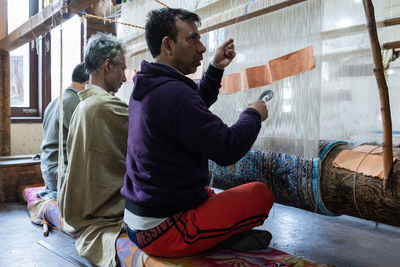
(288, 176)
(294, 180)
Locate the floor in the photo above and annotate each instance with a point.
(19, 242)
(343, 241)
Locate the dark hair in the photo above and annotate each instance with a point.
(161, 23)
(79, 73)
(102, 46)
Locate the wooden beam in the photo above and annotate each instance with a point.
(342, 32)
(250, 15)
(392, 45)
(5, 110)
(37, 25)
(94, 27)
(358, 28)
(383, 92)
(76, 6)
(52, 15)
(391, 22)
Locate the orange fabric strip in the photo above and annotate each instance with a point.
(364, 163)
(369, 149)
(230, 83)
(255, 77)
(292, 64)
(276, 69)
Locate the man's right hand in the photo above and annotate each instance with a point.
(260, 106)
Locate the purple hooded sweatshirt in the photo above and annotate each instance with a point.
(172, 134)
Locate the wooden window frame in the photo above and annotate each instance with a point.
(31, 113)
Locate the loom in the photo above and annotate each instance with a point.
(334, 99)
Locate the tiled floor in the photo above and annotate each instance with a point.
(344, 241)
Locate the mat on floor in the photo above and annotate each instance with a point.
(130, 255)
(40, 210)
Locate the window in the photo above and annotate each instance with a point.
(19, 80)
(71, 54)
(35, 66)
(23, 63)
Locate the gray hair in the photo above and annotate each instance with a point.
(100, 47)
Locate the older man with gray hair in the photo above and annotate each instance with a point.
(90, 202)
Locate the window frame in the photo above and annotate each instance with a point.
(31, 113)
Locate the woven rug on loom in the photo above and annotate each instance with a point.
(288, 176)
(294, 180)
(325, 146)
(130, 255)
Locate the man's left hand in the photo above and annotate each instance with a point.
(224, 54)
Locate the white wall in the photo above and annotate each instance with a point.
(26, 138)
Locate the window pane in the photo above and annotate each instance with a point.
(19, 78)
(71, 54)
(55, 62)
(18, 13)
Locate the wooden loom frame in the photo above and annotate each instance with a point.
(383, 93)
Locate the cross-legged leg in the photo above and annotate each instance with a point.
(221, 216)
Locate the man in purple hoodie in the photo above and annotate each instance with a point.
(170, 211)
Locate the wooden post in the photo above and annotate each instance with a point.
(5, 110)
(383, 92)
(3, 18)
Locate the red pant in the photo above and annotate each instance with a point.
(218, 218)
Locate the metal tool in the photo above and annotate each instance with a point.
(266, 96)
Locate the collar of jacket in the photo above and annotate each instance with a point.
(70, 88)
(90, 91)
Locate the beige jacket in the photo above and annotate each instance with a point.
(90, 202)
